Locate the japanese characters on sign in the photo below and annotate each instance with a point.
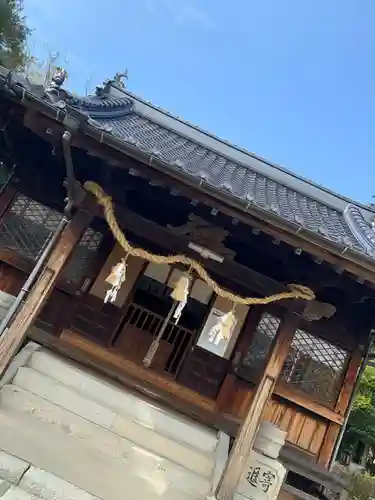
(260, 481)
(263, 478)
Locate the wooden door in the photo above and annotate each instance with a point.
(203, 372)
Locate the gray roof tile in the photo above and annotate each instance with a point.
(343, 223)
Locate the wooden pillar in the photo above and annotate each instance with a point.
(341, 407)
(13, 337)
(261, 396)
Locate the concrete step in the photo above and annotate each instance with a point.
(36, 484)
(48, 447)
(19, 479)
(116, 399)
(48, 390)
(16, 400)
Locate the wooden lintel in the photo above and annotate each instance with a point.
(13, 337)
(171, 242)
(262, 394)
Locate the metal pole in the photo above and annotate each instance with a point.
(351, 403)
(32, 277)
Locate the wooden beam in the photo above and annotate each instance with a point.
(262, 394)
(162, 236)
(13, 337)
(304, 401)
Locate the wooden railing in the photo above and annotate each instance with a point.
(175, 342)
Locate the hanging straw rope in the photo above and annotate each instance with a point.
(299, 292)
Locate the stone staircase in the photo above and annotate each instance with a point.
(81, 436)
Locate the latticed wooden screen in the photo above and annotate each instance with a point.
(79, 264)
(314, 366)
(265, 333)
(27, 226)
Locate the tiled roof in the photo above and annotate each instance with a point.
(235, 179)
(344, 224)
(238, 174)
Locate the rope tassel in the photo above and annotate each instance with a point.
(180, 294)
(116, 278)
(223, 328)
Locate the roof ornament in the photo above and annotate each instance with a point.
(57, 81)
(121, 78)
(118, 80)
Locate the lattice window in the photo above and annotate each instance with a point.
(27, 226)
(262, 339)
(315, 366)
(79, 264)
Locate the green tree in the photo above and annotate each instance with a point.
(13, 34)
(361, 425)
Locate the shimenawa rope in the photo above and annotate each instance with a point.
(299, 292)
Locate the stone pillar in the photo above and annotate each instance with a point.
(264, 474)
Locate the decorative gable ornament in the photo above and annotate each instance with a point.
(315, 310)
(205, 234)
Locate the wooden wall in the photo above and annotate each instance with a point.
(305, 430)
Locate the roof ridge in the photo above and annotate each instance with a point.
(245, 151)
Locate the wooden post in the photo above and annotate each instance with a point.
(333, 431)
(12, 338)
(245, 439)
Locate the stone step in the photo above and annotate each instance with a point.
(47, 486)
(115, 398)
(48, 390)
(38, 484)
(16, 400)
(18, 477)
(51, 449)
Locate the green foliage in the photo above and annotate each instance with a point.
(13, 34)
(362, 487)
(361, 425)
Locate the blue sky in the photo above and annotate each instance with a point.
(291, 80)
